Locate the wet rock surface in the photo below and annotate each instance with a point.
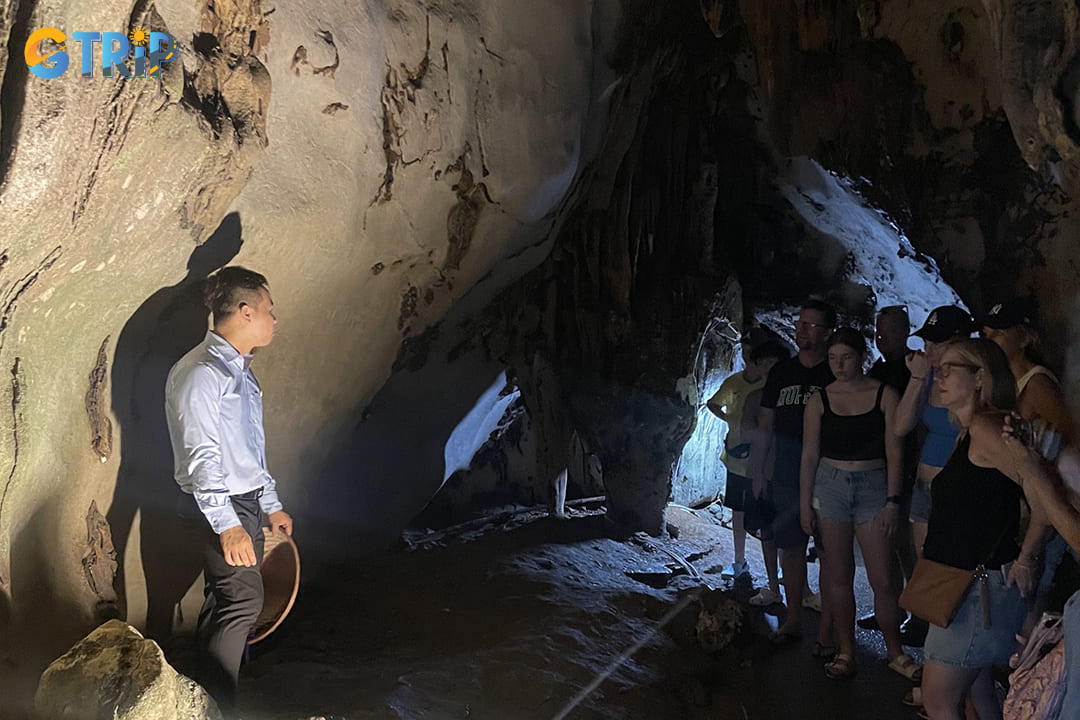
(514, 622)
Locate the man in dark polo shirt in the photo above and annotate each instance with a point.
(780, 424)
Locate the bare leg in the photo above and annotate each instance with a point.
(944, 688)
(768, 550)
(880, 560)
(983, 698)
(738, 530)
(837, 582)
(793, 561)
(904, 542)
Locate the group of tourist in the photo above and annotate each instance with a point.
(919, 457)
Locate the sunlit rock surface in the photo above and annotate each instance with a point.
(115, 674)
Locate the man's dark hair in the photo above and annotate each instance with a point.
(770, 349)
(827, 311)
(229, 288)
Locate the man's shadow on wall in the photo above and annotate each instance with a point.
(165, 327)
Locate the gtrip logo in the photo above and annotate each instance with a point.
(148, 51)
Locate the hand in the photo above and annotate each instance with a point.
(1026, 458)
(1022, 575)
(281, 520)
(886, 519)
(918, 364)
(806, 519)
(237, 546)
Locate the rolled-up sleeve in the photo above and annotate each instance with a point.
(196, 411)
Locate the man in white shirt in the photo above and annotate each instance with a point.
(214, 409)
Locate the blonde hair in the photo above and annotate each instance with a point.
(998, 387)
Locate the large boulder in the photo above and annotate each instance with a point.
(114, 673)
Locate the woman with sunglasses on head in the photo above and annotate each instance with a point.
(921, 404)
(850, 488)
(974, 521)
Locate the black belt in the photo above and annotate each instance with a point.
(251, 495)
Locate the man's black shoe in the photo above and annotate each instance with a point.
(868, 622)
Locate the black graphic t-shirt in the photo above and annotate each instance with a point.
(787, 391)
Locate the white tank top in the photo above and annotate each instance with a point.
(1026, 377)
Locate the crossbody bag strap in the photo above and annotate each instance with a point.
(982, 576)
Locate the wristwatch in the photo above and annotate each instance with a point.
(894, 499)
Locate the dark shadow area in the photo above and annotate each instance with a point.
(43, 622)
(13, 90)
(381, 471)
(165, 327)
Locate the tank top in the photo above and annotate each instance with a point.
(1026, 378)
(974, 516)
(853, 437)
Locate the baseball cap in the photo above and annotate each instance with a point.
(1007, 314)
(945, 323)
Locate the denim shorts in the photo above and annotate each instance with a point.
(920, 502)
(966, 643)
(849, 496)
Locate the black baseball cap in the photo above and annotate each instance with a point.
(1007, 314)
(945, 323)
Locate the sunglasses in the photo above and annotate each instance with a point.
(946, 368)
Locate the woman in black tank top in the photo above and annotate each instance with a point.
(973, 521)
(850, 488)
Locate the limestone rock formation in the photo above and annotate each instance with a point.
(116, 674)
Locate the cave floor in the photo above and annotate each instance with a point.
(513, 619)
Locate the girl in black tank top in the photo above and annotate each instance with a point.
(853, 437)
(850, 488)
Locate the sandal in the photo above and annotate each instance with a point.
(913, 698)
(904, 665)
(822, 651)
(840, 667)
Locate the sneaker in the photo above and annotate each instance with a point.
(734, 571)
(812, 602)
(765, 597)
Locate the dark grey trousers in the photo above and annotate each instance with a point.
(233, 601)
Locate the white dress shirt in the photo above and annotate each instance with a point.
(214, 408)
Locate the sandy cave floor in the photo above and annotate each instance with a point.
(512, 619)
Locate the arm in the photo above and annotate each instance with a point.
(1043, 487)
(988, 444)
(915, 394)
(894, 458)
(194, 415)
(271, 505)
(1042, 398)
(811, 455)
(718, 402)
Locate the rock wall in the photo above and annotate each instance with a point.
(375, 161)
(439, 193)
